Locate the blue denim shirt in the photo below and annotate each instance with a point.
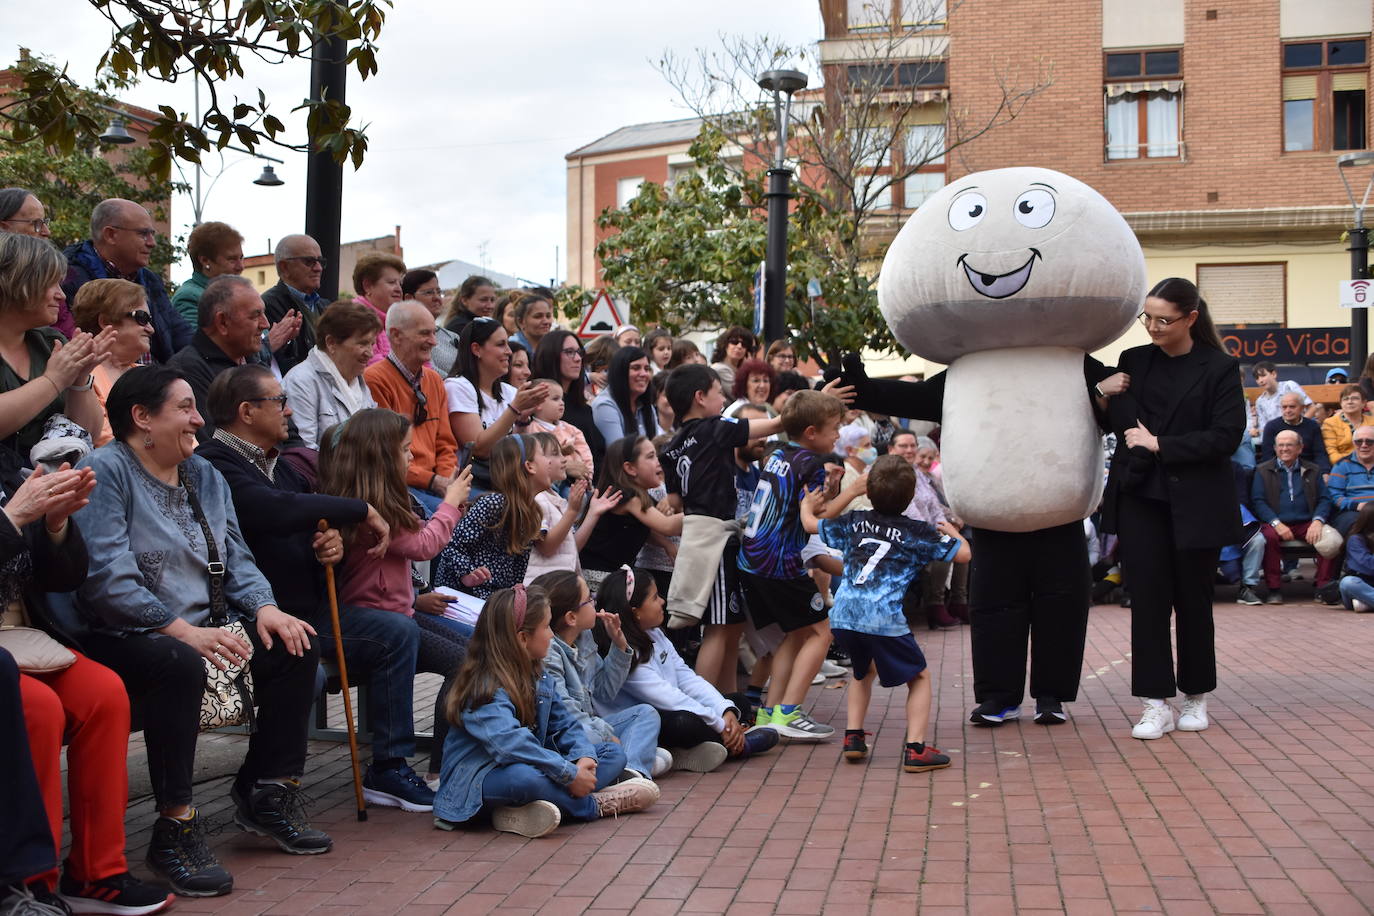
(148, 553)
(582, 678)
(492, 736)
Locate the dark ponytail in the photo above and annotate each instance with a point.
(1183, 295)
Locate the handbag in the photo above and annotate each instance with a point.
(34, 651)
(228, 697)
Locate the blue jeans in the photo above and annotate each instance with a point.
(427, 499)
(1353, 588)
(637, 729)
(380, 647)
(1252, 561)
(520, 784)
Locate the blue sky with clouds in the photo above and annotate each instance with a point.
(470, 115)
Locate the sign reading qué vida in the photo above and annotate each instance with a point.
(1287, 345)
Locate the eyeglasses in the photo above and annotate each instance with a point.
(573, 352)
(310, 260)
(279, 400)
(1162, 323)
(142, 316)
(1364, 441)
(38, 224)
(149, 235)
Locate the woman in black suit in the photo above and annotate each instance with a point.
(1171, 498)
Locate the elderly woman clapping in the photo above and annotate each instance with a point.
(168, 564)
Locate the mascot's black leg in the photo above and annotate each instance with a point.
(999, 600)
(1059, 611)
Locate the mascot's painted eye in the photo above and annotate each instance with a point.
(1034, 209)
(967, 211)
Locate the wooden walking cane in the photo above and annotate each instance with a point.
(343, 682)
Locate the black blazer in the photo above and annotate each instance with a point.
(1202, 428)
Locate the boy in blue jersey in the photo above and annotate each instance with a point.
(771, 565)
(883, 552)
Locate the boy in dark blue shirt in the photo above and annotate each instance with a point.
(883, 552)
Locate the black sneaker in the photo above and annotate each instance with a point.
(855, 747)
(1329, 594)
(122, 894)
(397, 787)
(1274, 597)
(278, 813)
(1247, 595)
(994, 714)
(179, 853)
(1050, 712)
(929, 758)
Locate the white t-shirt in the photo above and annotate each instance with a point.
(462, 398)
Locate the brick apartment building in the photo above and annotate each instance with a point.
(1213, 125)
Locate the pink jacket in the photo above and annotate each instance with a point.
(567, 434)
(385, 584)
(383, 345)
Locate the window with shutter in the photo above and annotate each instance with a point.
(1245, 293)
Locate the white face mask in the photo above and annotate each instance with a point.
(867, 455)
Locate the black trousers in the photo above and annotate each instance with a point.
(685, 729)
(26, 848)
(165, 678)
(1166, 581)
(1029, 587)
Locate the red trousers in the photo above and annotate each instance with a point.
(1273, 565)
(86, 707)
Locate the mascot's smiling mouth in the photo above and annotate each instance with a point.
(999, 286)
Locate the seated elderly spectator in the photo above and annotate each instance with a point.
(121, 305)
(41, 374)
(1291, 502)
(279, 513)
(167, 561)
(82, 705)
(22, 213)
(1338, 430)
(856, 448)
(215, 249)
(232, 319)
(377, 282)
(403, 383)
(121, 243)
(1357, 586)
(1267, 402)
(328, 387)
(1351, 482)
(944, 586)
(1308, 430)
(297, 294)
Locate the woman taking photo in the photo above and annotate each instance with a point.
(476, 298)
(215, 249)
(423, 287)
(328, 387)
(121, 305)
(481, 407)
(533, 319)
(626, 408)
(40, 373)
(1171, 498)
(560, 356)
(1338, 430)
(157, 525)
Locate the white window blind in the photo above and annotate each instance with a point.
(1244, 293)
(626, 190)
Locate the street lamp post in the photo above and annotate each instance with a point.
(1359, 257)
(782, 83)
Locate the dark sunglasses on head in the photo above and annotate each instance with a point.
(142, 316)
(421, 415)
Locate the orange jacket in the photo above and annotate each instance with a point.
(433, 446)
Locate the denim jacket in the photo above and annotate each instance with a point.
(148, 553)
(492, 736)
(582, 679)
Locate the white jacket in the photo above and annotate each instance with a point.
(318, 399)
(666, 683)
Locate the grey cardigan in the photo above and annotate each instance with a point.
(316, 400)
(148, 554)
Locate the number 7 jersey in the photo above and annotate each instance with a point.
(882, 554)
(773, 534)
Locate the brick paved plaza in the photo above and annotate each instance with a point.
(1270, 811)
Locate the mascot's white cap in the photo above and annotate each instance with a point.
(1018, 257)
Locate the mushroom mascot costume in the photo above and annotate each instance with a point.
(1011, 277)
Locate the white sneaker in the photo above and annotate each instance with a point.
(1193, 716)
(1359, 606)
(536, 819)
(663, 762)
(830, 669)
(703, 758)
(1155, 722)
(818, 679)
(624, 797)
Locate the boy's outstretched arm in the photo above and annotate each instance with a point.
(762, 429)
(837, 504)
(810, 504)
(965, 552)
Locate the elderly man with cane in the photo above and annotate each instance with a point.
(279, 514)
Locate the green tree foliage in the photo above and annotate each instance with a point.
(208, 41)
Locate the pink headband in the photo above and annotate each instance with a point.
(629, 583)
(519, 606)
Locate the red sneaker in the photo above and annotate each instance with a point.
(928, 759)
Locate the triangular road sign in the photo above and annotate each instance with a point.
(602, 318)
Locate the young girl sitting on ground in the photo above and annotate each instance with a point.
(700, 728)
(582, 678)
(492, 543)
(515, 751)
(366, 457)
(560, 544)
